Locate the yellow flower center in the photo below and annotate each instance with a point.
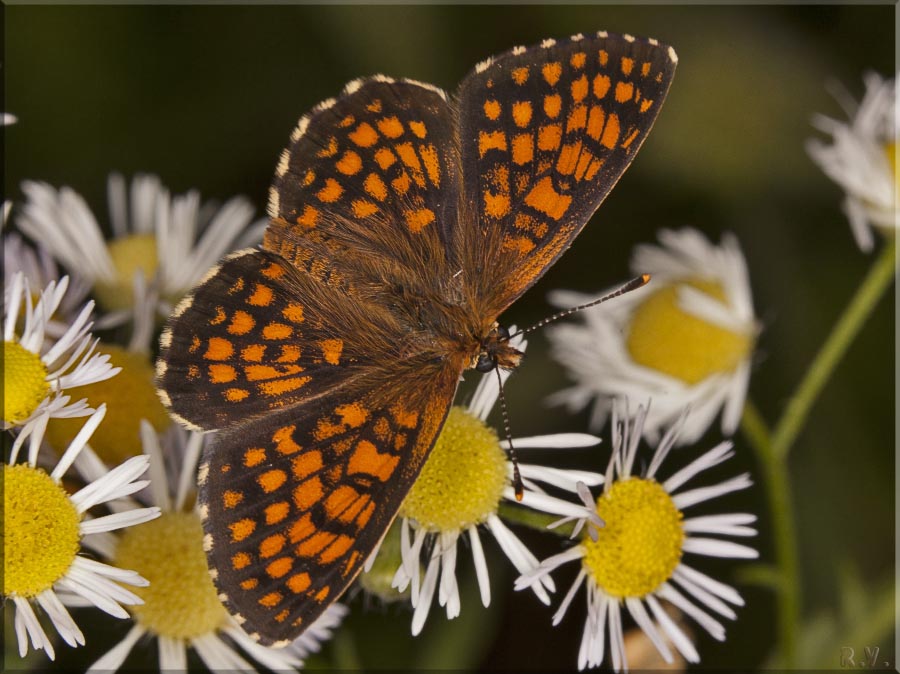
(181, 600)
(663, 337)
(640, 546)
(129, 396)
(463, 478)
(40, 531)
(24, 382)
(129, 254)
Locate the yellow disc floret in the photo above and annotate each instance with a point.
(640, 545)
(40, 531)
(129, 254)
(24, 382)
(663, 337)
(129, 396)
(181, 600)
(463, 478)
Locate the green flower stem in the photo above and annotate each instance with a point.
(784, 538)
(873, 287)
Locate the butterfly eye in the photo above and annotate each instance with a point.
(486, 362)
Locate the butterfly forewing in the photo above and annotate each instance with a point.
(546, 133)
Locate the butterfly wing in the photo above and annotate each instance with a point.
(546, 132)
(293, 504)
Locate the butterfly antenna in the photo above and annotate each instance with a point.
(511, 452)
(633, 284)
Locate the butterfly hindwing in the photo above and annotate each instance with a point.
(294, 502)
(546, 132)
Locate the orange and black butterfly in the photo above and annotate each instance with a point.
(404, 221)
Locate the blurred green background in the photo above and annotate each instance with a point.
(206, 97)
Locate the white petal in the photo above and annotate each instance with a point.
(481, 569)
(115, 656)
(172, 654)
(715, 548)
(675, 634)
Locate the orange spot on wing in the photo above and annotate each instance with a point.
(308, 493)
(365, 515)
(230, 498)
(552, 72)
(646, 104)
(579, 89)
(262, 296)
(280, 567)
(308, 217)
(241, 323)
(577, 119)
(627, 65)
(495, 140)
(254, 456)
(363, 208)
(249, 584)
(271, 600)
(331, 192)
(293, 312)
(218, 349)
(544, 198)
(302, 528)
(222, 374)
(595, 122)
(418, 128)
(271, 480)
(385, 158)
(276, 512)
(492, 109)
(353, 415)
(496, 205)
(284, 440)
(603, 57)
(331, 350)
(417, 220)
(401, 183)
(404, 418)
(601, 86)
(611, 131)
(240, 561)
(375, 186)
(374, 106)
(349, 164)
(277, 331)
(253, 353)
(219, 317)
(281, 386)
(552, 105)
(314, 544)
(390, 127)
(329, 150)
(290, 353)
(520, 75)
(629, 139)
(367, 459)
(364, 135)
(624, 91)
(241, 529)
(522, 148)
(305, 464)
(578, 59)
(337, 549)
(519, 244)
(432, 163)
(521, 112)
(236, 395)
(568, 157)
(549, 137)
(298, 582)
(272, 545)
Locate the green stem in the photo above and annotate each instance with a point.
(784, 538)
(842, 335)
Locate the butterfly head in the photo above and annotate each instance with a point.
(496, 351)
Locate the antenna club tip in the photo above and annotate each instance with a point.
(645, 278)
(520, 493)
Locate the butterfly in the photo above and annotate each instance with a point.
(404, 221)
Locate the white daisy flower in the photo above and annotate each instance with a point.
(40, 269)
(37, 370)
(685, 339)
(181, 609)
(862, 158)
(171, 241)
(638, 557)
(44, 531)
(459, 490)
